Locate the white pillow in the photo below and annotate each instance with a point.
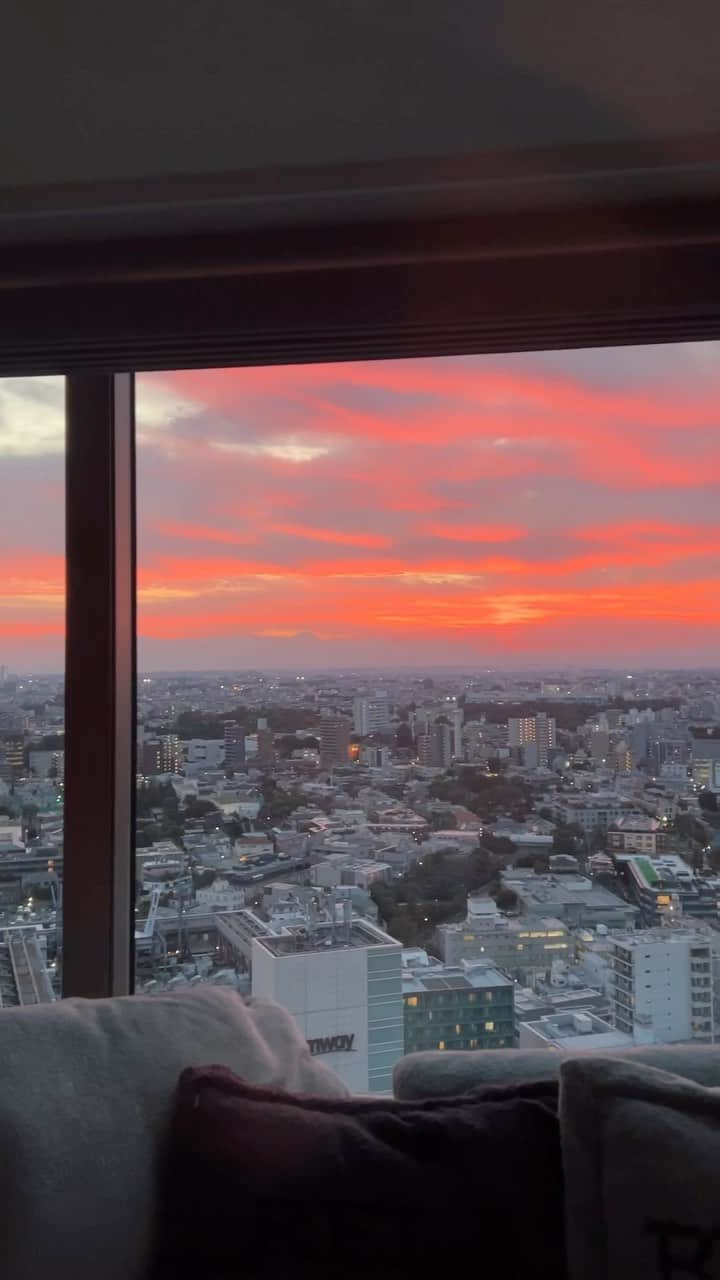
(86, 1088)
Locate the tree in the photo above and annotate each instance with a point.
(506, 900)
(566, 837)
(203, 879)
(197, 807)
(499, 845)
(689, 827)
(442, 820)
(403, 737)
(289, 742)
(708, 801)
(277, 804)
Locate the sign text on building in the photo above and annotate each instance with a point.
(331, 1044)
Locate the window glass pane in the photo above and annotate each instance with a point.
(428, 663)
(32, 626)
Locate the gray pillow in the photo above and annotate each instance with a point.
(641, 1153)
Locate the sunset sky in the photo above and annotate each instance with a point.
(520, 509)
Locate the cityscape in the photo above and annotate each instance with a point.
(407, 860)
(428, 719)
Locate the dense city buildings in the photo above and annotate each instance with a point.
(478, 860)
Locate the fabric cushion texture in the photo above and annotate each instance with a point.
(442, 1073)
(261, 1183)
(87, 1093)
(641, 1150)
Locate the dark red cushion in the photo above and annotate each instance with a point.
(262, 1183)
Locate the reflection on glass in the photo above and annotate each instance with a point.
(32, 626)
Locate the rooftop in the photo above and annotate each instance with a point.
(562, 890)
(359, 934)
(577, 1030)
(499, 923)
(667, 935)
(463, 977)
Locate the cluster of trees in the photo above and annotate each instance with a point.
(277, 804)
(198, 724)
(569, 838)
(690, 828)
(287, 743)
(435, 891)
(161, 816)
(484, 794)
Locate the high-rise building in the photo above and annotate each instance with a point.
(234, 735)
(457, 716)
(435, 746)
(371, 714)
(161, 755)
(334, 735)
(705, 757)
(172, 756)
(536, 732)
(342, 983)
(465, 1006)
(663, 985)
(265, 757)
(12, 758)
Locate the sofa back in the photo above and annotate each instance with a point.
(437, 1073)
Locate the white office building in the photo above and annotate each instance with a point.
(663, 985)
(343, 985)
(371, 714)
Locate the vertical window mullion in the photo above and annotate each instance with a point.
(100, 686)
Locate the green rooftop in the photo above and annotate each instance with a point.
(647, 870)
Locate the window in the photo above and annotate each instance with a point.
(293, 550)
(32, 721)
